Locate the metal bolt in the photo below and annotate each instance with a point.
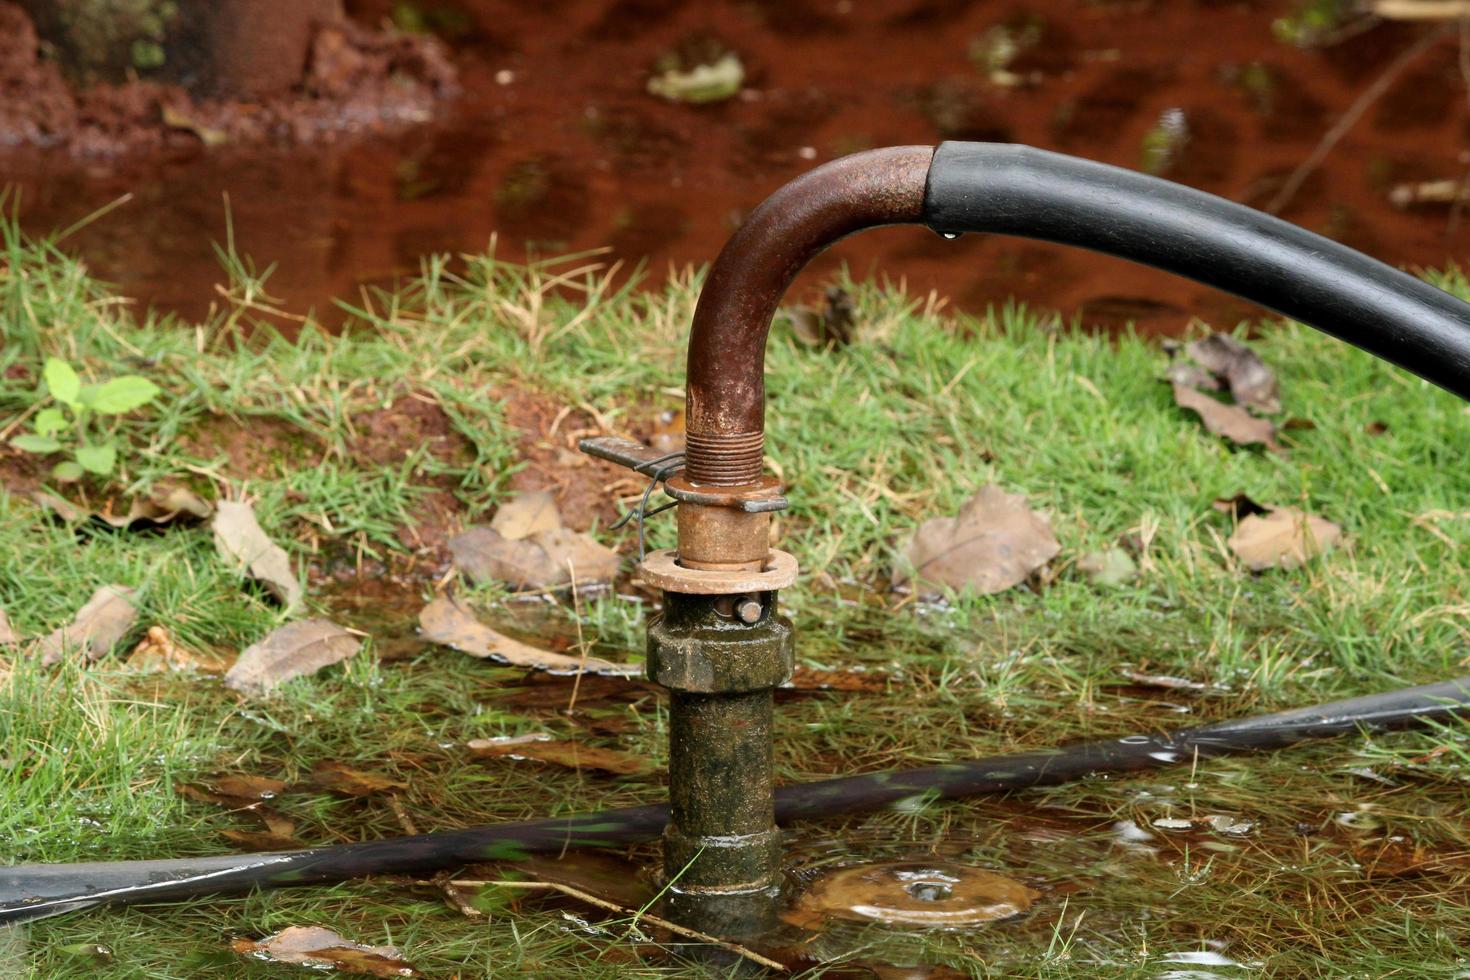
(748, 610)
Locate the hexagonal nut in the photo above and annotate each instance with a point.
(723, 661)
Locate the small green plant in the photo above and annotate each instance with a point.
(71, 426)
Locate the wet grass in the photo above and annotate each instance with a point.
(1356, 860)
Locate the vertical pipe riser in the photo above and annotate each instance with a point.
(722, 850)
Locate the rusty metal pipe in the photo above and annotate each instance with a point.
(1018, 190)
(725, 416)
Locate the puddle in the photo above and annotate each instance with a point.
(555, 146)
(911, 894)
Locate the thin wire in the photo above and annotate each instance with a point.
(675, 463)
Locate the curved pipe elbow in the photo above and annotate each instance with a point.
(1017, 190)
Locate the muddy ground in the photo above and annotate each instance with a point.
(555, 145)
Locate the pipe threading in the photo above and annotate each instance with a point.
(724, 459)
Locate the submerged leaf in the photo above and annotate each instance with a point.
(337, 778)
(573, 755)
(993, 543)
(1284, 538)
(446, 622)
(293, 650)
(1231, 421)
(96, 628)
(702, 83)
(239, 538)
(322, 949)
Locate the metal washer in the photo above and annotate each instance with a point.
(661, 569)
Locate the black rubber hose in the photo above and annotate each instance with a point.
(1017, 190)
(35, 891)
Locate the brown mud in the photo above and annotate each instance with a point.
(554, 145)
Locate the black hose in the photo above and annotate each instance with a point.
(34, 891)
(1017, 190)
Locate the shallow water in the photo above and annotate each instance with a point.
(555, 146)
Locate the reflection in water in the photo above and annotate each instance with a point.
(556, 146)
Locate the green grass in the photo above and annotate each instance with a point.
(904, 424)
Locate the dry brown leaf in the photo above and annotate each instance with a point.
(525, 515)
(163, 504)
(546, 559)
(244, 786)
(293, 650)
(573, 755)
(1284, 538)
(96, 628)
(262, 840)
(992, 544)
(337, 778)
(446, 622)
(322, 949)
(1231, 421)
(1248, 379)
(239, 538)
(157, 652)
(7, 634)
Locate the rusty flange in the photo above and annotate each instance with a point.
(661, 569)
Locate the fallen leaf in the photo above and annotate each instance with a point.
(262, 840)
(239, 538)
(293, 650)
(1239, 506)
(157, 652)
(992, 544)
(1192, 375)
(446, 622)
(322, 949)
(177, 119)
(247, 787)
(573, 755)
(338, 778)
(702, 83)
(615, 879)
(165, 503)
(96, 628)
(829, 325)
(546, 559)
(1246, 376)
(1231, 421)
(1283, 538)
(7, 634)
(525, 515)
(1168, 682)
